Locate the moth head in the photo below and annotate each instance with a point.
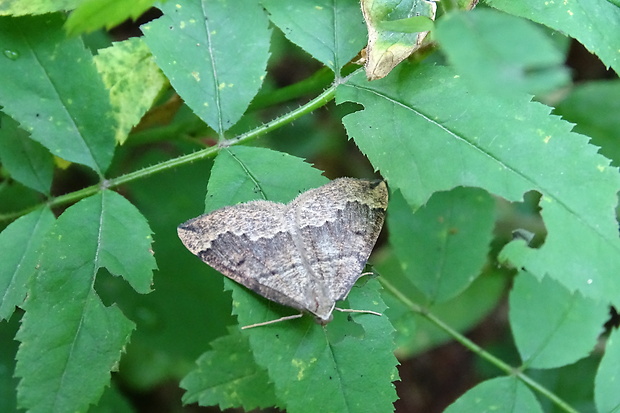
(323, 320)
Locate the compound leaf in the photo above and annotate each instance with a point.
(70, 340)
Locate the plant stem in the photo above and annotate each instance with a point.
(508, 369)
(321, 100)
(317, 102)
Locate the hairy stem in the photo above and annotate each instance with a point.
(500, 364)
(319, 101)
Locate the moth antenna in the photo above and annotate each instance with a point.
(264, 323)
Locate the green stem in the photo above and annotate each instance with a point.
(508, 369)
(317, 102)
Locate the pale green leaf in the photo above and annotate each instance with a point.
(503, 394)
(332, 31)
(608, 376)
(228, 376)
(192, 43)
(593, 23)
(425, 118)
(70, 341)
(62, 101)
(499, 53)
(95, 14)
(26, 160)
(133, 79)
(22, 8)
(594, 107)
(19, 254)
(444, 245)
(544, 316)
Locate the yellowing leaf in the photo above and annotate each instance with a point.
(133, 79)
(392, 35)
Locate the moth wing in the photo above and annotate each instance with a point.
(339, 224)
(251, 244)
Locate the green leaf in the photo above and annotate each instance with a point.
(504, 394)
(594, 107)
(133, 79)
(19, 249)
(572, 383)
(242, 174)
(304, 358)
(61, 101)
(124, 242)
(450, 136)
(26, 160)
(95, 14)
(544, 316)
(112, 400)
(69, 339)
(16, 197)
(23, 8)
(192, 43)
(332, 31)
(8, 381)
(593, 23)
(499, 53)
(239, 381)
(608, 376)
(444, 245)
(414, 333)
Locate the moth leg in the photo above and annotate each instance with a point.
(348, 310)
(264, 323)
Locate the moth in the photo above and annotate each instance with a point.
(306, 254)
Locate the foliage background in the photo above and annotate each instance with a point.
(101, 160)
